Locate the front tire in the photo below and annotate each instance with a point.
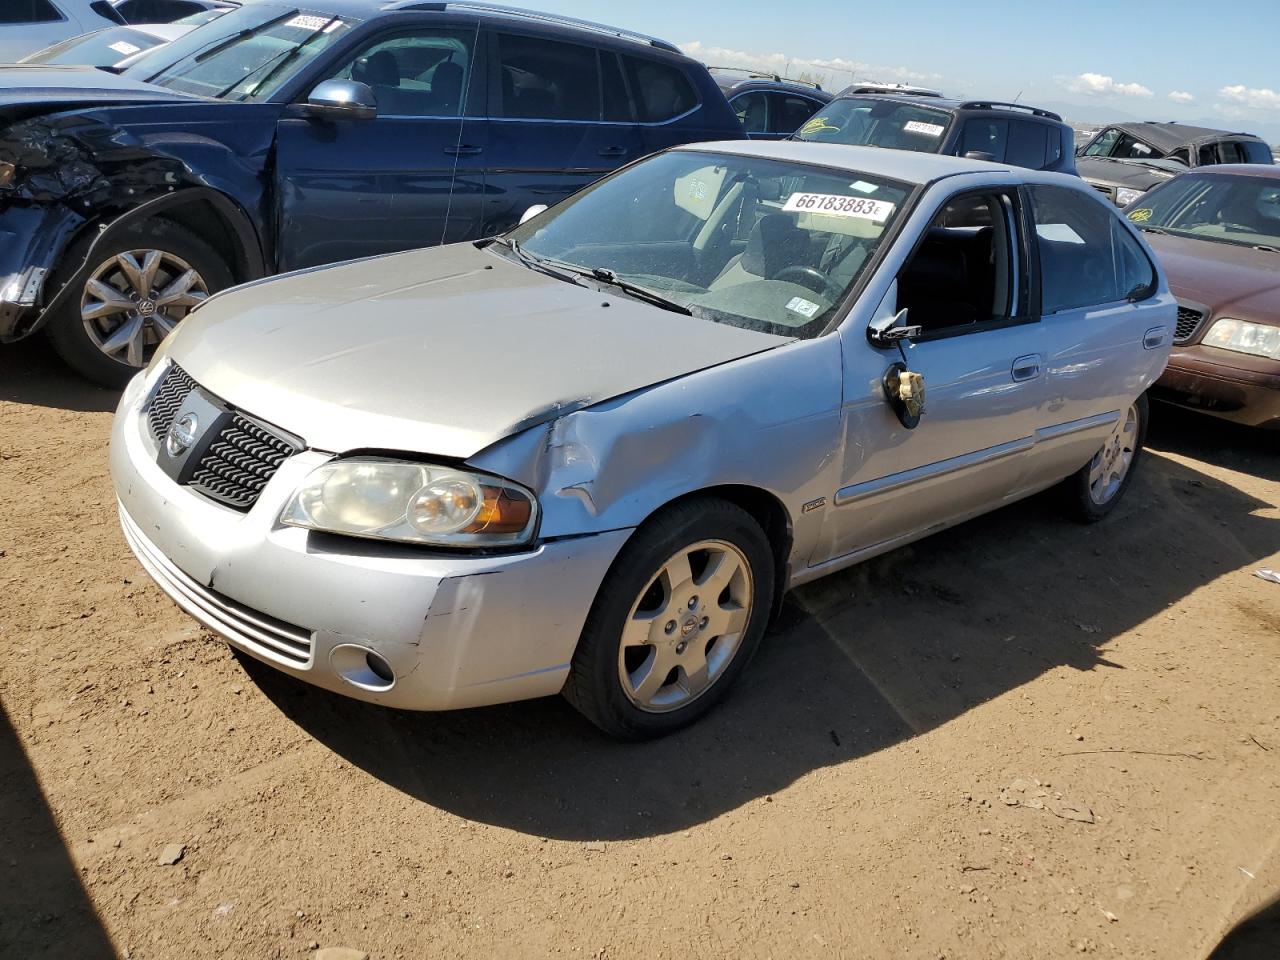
(1093, 491)
(144, 279)
(676, 620)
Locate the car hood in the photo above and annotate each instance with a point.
(1230, 280)
(441, 351)
(1138, 174)
(51, 88)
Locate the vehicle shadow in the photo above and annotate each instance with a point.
(1190, 434)
(859, 661)
(44, 909)
(30, 372)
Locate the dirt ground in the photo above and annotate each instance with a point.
(882, 784)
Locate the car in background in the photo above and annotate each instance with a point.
(171, 11)
(111, 48)
(277, 138)
(979, 129)
(897, 89)
(589, 456)
(1216, 230)
(1125, 160)
(30, 25)
(769, 107)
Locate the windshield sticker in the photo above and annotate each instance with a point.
(928, 129)
(863, 187)
(806, 308)
(816, 125)
(123, 46)
(1141, 215)
(834, 205)
(309, 22)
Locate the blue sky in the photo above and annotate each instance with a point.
(1177, 60)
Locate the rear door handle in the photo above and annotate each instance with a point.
(1153, 338)
(463, 150)
(612, 152)
(1028, 367)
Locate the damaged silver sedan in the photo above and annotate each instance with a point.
(589, 456)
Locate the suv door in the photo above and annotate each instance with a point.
(355, 188)
(980, 352)
(788, 112)
(1106, 330)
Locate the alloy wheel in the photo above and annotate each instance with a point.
(686, 626)
(1111, 464)
(134, 300)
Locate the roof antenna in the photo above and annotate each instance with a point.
(1018, 97)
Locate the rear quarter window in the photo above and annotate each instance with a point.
(661, 91)
(28, 11)
(1026, 144)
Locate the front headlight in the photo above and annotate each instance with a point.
(413, 503)
(1257, 339)
(1126, 195)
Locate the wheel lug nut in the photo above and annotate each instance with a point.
(693, 603)
(670, 627)
(703, 624)
(680, 646)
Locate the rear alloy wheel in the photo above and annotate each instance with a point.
(142, 282)
(675, 621)
(1095, 489)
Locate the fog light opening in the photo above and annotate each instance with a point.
(362, 667)
(381, 669)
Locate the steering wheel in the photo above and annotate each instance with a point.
(806, 277)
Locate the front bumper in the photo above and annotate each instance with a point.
(456, 630)
(1233, 386)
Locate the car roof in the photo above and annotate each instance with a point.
(1262, 171)
(951, 105)
(731, 84)
(1169, 135)
(906, 166)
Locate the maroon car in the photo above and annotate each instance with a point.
(1216, 230)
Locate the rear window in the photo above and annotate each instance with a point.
(103, 48)
(28, 11)
(870, 121)
(661, 91)
(1246, 151)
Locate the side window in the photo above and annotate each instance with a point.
(788, 112)
(752, 109)
(1182, 155)
(1103, 144)
(421, 74)
(1130, 148)
(548, 79)
(985, 136)
(28, 11)
(613, 90)
(662, 91)
(964, 273)
(1026, 144)
(1087, 256)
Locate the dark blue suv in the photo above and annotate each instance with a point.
(279, 137)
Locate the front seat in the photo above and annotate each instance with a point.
(446, 89)
(774, 244)
(379, 69)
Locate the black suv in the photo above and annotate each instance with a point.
(981, 129)
(1125, 160)
(769, 107)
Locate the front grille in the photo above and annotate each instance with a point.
(1103, 189)
(1189, 319)
(263, 634)
(238, 464)
(173, 389)
(238, 461)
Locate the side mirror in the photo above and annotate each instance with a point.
(887, 331)
(342, 100)
(532, 212)
(980, 155)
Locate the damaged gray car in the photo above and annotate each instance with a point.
(590, 455)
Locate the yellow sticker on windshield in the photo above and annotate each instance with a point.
(1141, 215)
(817, 125)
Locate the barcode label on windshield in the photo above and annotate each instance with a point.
(928, 129)
(308, 22)
(834, 205)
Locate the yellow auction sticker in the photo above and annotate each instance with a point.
(1141, 215)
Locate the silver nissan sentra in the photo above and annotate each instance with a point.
(588, 457)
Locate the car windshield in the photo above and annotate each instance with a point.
(103, 48)
(1228, 209)
(247, 54)
(875, 122)
(766, 245)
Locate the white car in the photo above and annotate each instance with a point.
(30, 25)
(111, 49)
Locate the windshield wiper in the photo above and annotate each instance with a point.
(605, 275)
(535, 262)
(280, 61)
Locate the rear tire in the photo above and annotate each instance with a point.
(1093, 491)
(143, 281)
(676, 620)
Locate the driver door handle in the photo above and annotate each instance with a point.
(612, 152)
(1028, 367)
(462, 150)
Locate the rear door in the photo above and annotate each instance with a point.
(788, 112)
(355, 188)
(559, 118)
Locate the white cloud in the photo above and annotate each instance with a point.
(835, 73)
(1100, 85)
(1259, 98)
(1181, 96)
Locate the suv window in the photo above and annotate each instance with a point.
(1131, 148)
(752, 109)
(421, 74)
(788, 112)
(547, 79)
(1103, 143)
(1242, 151)
(28, 11)
(986, 135)
(156, 11)
(662, 91)
(1087, 257)
(877, 122)
(1027, 144)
